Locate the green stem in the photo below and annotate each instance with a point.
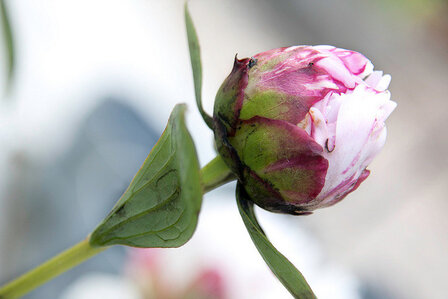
(50, 269)
(215, 174)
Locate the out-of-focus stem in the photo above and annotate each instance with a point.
(50, 269)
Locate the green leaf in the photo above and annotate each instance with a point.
(160, 208)
(285, 271)
(9, 42)
(195, 57)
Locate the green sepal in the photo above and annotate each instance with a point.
(286, 272)
(271, 104)
(160, 207)
(196, 66)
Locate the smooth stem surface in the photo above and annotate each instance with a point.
(50, 269)
(215, 174)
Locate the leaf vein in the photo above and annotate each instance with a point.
(149, 232)
(160, 205)
(170, 158)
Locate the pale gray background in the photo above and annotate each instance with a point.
(76, 59)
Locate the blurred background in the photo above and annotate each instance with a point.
(92, 86)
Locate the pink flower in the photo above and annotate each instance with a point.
(299, 125)
(152, 270)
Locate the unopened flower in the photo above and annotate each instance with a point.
(299, 125)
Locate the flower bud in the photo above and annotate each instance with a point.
(299, 125)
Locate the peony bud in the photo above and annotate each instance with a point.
(299, 125)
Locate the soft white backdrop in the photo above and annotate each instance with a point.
(70, 54)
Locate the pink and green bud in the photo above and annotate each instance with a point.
(299, 125)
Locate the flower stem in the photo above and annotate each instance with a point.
(215, 174)
(50, 269)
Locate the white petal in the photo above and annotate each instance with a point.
(334, 66)
(367, 70)
(384, 82)
(356, 117)
(356, 120)
(373, 147)
(387, 109)
(320, 83)
(332, 108)
(374, 79)
(324, 47)
(319, 130)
